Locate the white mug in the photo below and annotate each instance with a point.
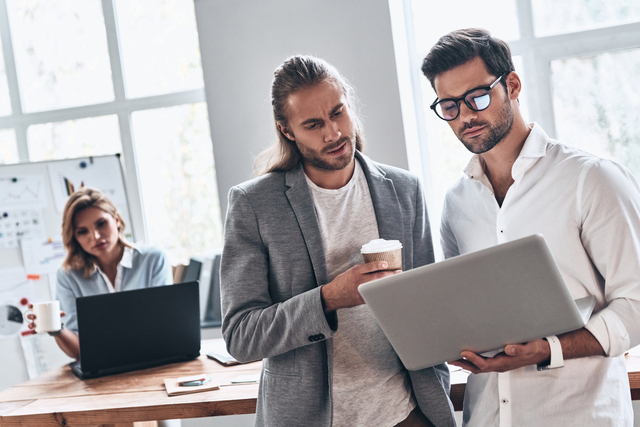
(47, 316)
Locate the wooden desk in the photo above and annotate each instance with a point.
(58, 398)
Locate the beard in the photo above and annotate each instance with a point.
(496, 131)
(320, 160)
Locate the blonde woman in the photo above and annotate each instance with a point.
(99, 260)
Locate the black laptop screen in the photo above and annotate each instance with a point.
(139, 328)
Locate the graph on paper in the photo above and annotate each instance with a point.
(69, 176)
(22, 191)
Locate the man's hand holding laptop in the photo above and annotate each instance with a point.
(578, 343)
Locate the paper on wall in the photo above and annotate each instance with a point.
(66, 177)
(16, 224)
(42, 256)
(16, 291)
(22, 192)
(41, 354)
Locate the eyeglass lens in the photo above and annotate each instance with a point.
(477, 100)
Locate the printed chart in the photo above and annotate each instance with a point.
(42, 256)
(16, 291)
(16, 224)
(19, 192)
(66, 177)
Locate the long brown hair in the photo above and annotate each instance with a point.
(296, 73)
(85, 197)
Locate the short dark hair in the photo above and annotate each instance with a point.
(461, 46)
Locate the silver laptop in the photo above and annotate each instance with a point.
(509, 293)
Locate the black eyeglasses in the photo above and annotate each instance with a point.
(477, 99)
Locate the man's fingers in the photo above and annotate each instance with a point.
(466, 365)
(62, 314)
(475, 359)
(521, 349)
(370, 267)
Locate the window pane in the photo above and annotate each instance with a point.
(556, 17)
(160, 47)
(596, 105)
(94, 136)
(5, 102)
(61, 53)
(180, 194)
(432, 20)
(8, 146)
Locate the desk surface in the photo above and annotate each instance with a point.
(58, 398)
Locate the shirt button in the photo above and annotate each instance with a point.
(502, 231)
(505, 400)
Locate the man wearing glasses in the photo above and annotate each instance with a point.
(520, 182)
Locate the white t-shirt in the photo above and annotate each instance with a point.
(370, 386)
(588, 210)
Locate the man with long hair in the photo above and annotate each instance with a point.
(291, 266)
(521, 182)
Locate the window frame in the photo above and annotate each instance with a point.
(121, 106)
(537, 54)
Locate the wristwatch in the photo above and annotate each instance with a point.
(56, 333)
(556, 360)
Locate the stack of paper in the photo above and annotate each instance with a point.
(175, 389)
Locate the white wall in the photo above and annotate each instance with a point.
(241, 44)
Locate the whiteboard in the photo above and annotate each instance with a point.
(32, 198)
(33, 195)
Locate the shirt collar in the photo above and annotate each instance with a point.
(126, 261)
(127, 257)
(535, 146)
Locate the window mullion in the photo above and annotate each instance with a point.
(113, 42)
(525, 20)
(536, 70)
(12, 82)
(132, 178)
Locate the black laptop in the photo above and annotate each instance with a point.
(138, 329)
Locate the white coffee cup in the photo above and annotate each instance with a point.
(47, 316)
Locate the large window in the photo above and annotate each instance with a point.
(97, 77)
(580, 64)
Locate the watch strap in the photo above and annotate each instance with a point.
(56, 333)
(556, 359)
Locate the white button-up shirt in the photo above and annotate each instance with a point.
(126, 261)
(588, 210)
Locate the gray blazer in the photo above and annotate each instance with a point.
(273, 265)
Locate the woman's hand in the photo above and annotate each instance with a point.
(32, 317)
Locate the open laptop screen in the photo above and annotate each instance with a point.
(136, 329)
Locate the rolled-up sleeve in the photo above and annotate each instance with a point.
(609, 207)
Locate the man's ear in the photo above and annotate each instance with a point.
(514, 84)
(285, 131)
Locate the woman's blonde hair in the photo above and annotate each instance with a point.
(85, 197)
